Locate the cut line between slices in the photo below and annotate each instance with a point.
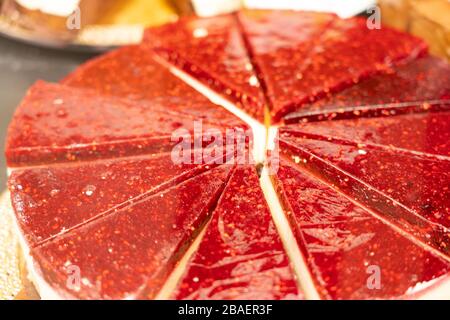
(261, 146)
(264, 137)
(297, 260)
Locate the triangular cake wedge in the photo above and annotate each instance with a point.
(131, 72)
(421, 85)
(57, 123)
(425, 133)
(343, 53)
(404, 181)
(212, 51)
(280, 42)
(351, 253)
(135, 247)
(241, 255)
(55, 198)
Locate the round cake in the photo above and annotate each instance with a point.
(257, 155)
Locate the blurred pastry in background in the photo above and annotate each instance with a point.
(124, 22)
(395, 13)
(54, 19)
(139, 12)
(427, 19)
(85, 23)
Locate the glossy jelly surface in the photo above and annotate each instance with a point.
(130, 72)
(350, 252)
(425, 133)
(108, 212)
(402, 174)
(50, 200)
(117, 256)
(241, 255)
(213, 51)
(60, 123)
(410, 87)
(330, 55)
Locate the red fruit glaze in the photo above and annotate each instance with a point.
(343, 243)
(50, 200)
(213, 51)
(418, 85)
(131, 72)
(241, 255)
(60, 123)
(280, 43)
(409, 189)
(121, 254)
(426, 133)
(342, 53)
(96, 190)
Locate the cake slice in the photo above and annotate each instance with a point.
(241, 255)
(140, 172)
(57, 123)
(424, 133)
(417, 86)
(401, 174)
(351, 253)
(212, 51)
(280, 43)
(119, 254)
(327, 55)
(131, 72)
(50, 200)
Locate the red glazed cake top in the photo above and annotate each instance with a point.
(409, 87)
(405, 181)
(130, 252)
(329, 55)
(241, 255)
(95, 186)
(60, 123)
(213, 51)
(343, 242)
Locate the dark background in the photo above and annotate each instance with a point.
(20, 66)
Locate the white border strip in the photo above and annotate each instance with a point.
(171, 284)
(304, 279)
(45, 291)
(259, 130)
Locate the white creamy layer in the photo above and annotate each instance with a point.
(259, 130)
(46, 292)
